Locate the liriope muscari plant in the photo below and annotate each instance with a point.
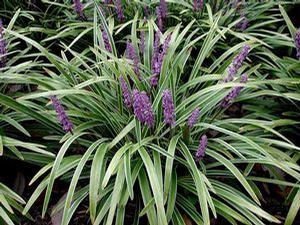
(182, 145)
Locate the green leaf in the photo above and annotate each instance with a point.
(156, 188)
(293, 210)
(97, 165)
(55, 168)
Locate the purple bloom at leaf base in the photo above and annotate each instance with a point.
(61, 114)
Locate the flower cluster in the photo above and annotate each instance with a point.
(168, 106)
(297, 42)
(193, 117)
(197, 5)
(106, 41)
(78, 7)
(234, 92)
(237, 63)
(3, 50)
(142, 108)
(158, 58)
(202, 147)
(126, 92)
(119, 10)
(61, 115)
(131, 54)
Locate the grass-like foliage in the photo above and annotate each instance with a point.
(151, 115)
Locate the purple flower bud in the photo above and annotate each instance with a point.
(237, 63)
(233, 93)
(142, 108)
(106, 41)
(131, 54)
(193, 118)
(297, 42)
(61, 114)
(202, 147)
(3, 47)
(168, 106)
(142, 41)
(126, 92)
(119, 10)
(78, 7)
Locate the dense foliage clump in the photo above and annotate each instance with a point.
(149, 112)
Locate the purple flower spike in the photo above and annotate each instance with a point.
(126, 93)
(146, 10)
(154, 80)
(201, 4)
(119, 10)
(142, 42)
(163, 8)
(243, 24)
(197, 4)
(106, 41)
(158, 57)
(61, 115)
(297, 42)
(159, 19)
(155, 52)
(78, 7)
(237, 63)
(193, 118)
(168, 106)
(202, 147)
(234, 93)
(130, 54)
(3, 47)
(142, 108)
